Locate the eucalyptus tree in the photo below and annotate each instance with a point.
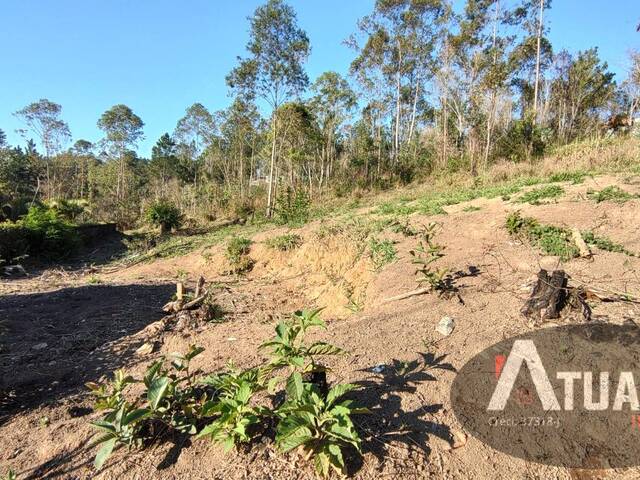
(533, 54)
(43, 120)
(194, 133)
(274, 69)
(123, 130)
(332, 103)
(399, 42)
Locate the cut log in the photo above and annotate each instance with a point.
(179, 291)
(548, 298)
(580, 243)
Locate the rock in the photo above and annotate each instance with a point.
(146, 348)
(40, 346)
(378, 368)
(445, 326)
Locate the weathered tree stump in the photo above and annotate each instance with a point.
(549, 296)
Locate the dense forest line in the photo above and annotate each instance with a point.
(429, 90)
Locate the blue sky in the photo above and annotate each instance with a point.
(160, 56)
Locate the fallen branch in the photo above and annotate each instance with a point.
(580, 243)
(413, 293)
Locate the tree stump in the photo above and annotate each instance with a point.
(548, 298)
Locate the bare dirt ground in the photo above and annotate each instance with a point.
(91, 330)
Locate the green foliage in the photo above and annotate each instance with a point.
(14, 241)
(11, 475)
(471, 208)
(552, 240)
(288, 348)
(535, 196)
(322, 426)
(237, 420)
(70, 210)
(604, 243)
(49, 236)
(285, 242)
(293, 208)
(381, 252)
(164, 214)
(424, 255)
(575, 177)
(611, 194)
(237, 254)
(170, 398)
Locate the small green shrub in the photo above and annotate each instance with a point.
(552, 240)
(381, 252)
(237, 254)
(424, 255)
(293, 207)
(70, 210)
(164, 214)
(49, 235)
(611, 194)
(535, 196)
(284, 243)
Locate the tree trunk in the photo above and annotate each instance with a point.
(271, 168)
(535, 87)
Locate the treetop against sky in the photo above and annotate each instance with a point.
(161, 56)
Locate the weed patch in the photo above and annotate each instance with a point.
(534, 197)
(611, 194)
(237, 254)
(284, 243)
(550, 239)
(382, 252)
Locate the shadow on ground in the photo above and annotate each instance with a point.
(389, 423)
(50, 342)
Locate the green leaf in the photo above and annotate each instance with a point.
(295, 386)
(104, 453)
(338, 391)
(136, 416)
(244, 392)
(157, 391)
(324, 348)
(335, 454)
(322, 464)
(294, 438)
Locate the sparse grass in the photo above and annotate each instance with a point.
(471, 208)
(604, 243)
(535, 196)
(611, 194)
(550, 239)
(93, 280)
(576, 177)
(382, 252)
(285, 242)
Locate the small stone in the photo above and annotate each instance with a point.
(145, 349)
(445, 326)
(40, 346)
(378, 368)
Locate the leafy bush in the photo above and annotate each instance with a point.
(381, 252)
(424, 255)
(285, 242)
(534, 196)
(49, 235)
(225, 408)
(14, 241)
(237, 254)
(611, 194)
(292, 208)
(164, 214)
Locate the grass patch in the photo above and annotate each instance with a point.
(535, 196)
(471, 208)
(604, 243)
(550, 239)
(237, 253)
(611, 194)
(284, 243)
(576, 177)
(381, 252)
